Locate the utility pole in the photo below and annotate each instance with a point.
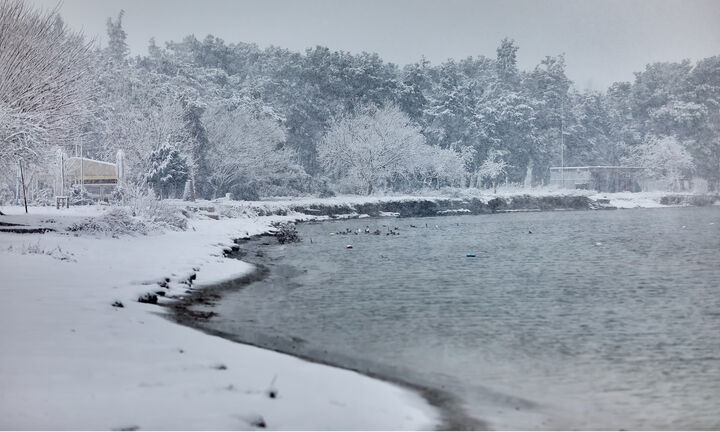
(22, 179)
(62, 174)
(82, 172)
(17, 185)
(562, 142)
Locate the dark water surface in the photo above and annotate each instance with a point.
(596, 320)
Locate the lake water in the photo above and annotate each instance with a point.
(595, 320)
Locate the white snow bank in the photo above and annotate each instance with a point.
(618, 199)
(70, 360)
(632, 199)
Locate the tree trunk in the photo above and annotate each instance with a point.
(370, 188)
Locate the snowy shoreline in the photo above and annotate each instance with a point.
(196, 308)
(81, 363)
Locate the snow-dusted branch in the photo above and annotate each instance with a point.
(43, 91)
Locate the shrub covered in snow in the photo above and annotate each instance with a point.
(157, 212)
(147, 215)
(115, 222)
(287, 233)
(79, 196)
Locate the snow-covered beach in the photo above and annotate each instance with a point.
(198, 203)
(73, 359)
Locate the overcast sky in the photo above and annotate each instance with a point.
(604, 41)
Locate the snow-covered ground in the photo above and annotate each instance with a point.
(69, 359)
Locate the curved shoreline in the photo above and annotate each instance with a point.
(453, 416)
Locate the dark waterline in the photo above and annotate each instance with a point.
(562, 320)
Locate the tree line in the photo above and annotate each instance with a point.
(206, 117)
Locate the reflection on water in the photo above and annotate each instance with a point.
(600, 320)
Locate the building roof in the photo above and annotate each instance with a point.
(75, 158)
(91, 169)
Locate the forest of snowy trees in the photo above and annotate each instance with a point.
(207, 117)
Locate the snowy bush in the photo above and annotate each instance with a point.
(44, 197)
(79, 196)
(287, 233)
(236, 211)
(117, 221)
(144, 214)
(157, 212)
(116, 197)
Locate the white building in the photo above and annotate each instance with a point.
(599, 178)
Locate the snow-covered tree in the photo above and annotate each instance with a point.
(137, 121)
(436, 167)
(168, 171)
(665, 158)
(195, 143)
(117, 46)
(248, 155)
(508, 124)
(412, 90)
(507, 61)
(492, 168)
(42, 88)
(450, 118)
(370, 147)
(250, 120)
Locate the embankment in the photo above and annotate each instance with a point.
(419, 207)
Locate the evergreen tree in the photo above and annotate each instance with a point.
(547, 87)
(168, 172)
(414, 85)
(704, 142)
(117, 46)
(624, 135)
(196, 144)
(507, 62)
